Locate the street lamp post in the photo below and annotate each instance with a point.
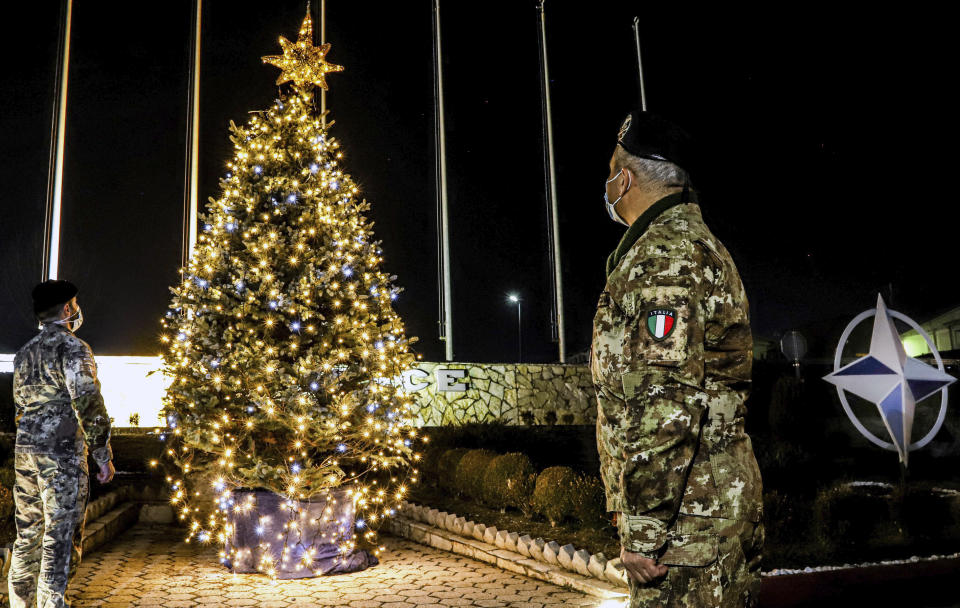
(519, 302)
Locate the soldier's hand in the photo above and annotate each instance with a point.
(640, 568)
(106, 472)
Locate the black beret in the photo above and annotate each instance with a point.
(48, 294)
(648, 135)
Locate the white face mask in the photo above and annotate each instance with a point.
(611, 207)
(73, 322)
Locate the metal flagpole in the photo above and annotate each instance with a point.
(323, 40)
(193, 140)
(51, 261)
(519, 332)
(636, 37)
(553, 218)
(443, 219)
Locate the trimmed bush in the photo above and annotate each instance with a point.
(8, 476)
(554, 496)
(429, 458)
(470, 471)
(931, 514)
(848, 516)
(590, 502)
(447, 467)
(6, 504)
(509, 482)
(790, 542)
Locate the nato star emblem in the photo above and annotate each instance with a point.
(891, 380)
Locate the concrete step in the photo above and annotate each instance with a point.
(109, 525)
(106, 518)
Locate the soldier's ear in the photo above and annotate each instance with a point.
(628, 179)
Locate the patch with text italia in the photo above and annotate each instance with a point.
(660, 322)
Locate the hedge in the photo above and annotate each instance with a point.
(470, 472)
(590, 502)
(554, 496)
(447, 467)
(509, 482)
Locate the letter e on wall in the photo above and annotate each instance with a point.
(447, 380)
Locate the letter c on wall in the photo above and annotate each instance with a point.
(412, 380)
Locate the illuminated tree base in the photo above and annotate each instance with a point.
(285, 539)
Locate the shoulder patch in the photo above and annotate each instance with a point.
(660, 322)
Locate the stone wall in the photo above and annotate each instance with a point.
(518, 394)
(445, 394)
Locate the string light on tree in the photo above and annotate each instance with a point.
(282, 341)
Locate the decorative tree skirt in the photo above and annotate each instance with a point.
(293, 539)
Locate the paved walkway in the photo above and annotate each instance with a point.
(150, 566)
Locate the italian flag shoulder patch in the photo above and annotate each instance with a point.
(660, 322)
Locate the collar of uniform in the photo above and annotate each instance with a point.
(53, 327)
(638, 227)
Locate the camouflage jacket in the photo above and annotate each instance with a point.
(671, 361)
(58, 399)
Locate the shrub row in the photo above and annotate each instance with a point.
(6, 504)
(510, 481)
(887, 516)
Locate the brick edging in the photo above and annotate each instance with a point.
(523, 555)
(500, 554)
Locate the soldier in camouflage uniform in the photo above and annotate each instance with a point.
(58, 401)
(671, 361)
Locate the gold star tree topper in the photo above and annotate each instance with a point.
(302, 62)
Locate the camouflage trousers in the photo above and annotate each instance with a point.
(50, 497)
(725, 576)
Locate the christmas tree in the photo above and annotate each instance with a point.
(282, 345)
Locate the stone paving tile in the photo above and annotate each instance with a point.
(149, 566)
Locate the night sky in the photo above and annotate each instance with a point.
(826, 135)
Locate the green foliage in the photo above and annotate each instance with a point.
(7, 481)
(470, 472)
(783, 519)
(8, 476)
(790, 541)
(590, 502)
(931, 514)
(6, 504)
(429, 457)
(555, 494)
(572, 446)
(847, 515)
(509, 482)
(447, 468)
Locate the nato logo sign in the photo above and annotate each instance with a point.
(891, 380)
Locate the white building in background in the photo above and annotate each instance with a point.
(130, 385)
(943, 329)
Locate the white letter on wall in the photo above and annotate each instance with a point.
(447, 380)
(411, 379)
